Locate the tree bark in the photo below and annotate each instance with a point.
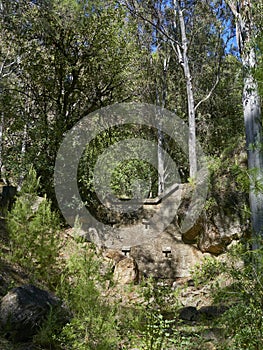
(160, 163)
(161, 101)
(183, 58)
(23, 154)
(252, 114)
(253, 127)
(1, 141)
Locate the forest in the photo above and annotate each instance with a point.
(131, 174)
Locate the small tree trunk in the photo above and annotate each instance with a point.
(160, 163)
(23, 153)
(191, 121)
(161, 101)
(1, 142)
(190, 94)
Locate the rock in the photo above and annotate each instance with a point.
(178, 264)
(214, 334)
(24, 309)
(220, 233)
(191, 313)
(113, 255)
(8, 196)
(196, 230)
(211, 311)
(126, 271)
(212, 242)
(38, 200)
(188, 313)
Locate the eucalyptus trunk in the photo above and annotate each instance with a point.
(253, 127)
(252, 113)
(182, 53)
(161, 101)
(161, 170)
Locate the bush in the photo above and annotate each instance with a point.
(242, 323)
(157, 317)
(209, 269)
(33, 232)
(93, 325)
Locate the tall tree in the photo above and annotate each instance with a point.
(8, 62)
(179, 23)
(75, 57)
(245, 34)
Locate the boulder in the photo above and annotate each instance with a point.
(126, 271)
(220, 233)
(212, 242)
(8, 196)
(153, 260)
(212, 311)
(112, 255)
(24, 309)
(188, 313)
(191, 313)
(191, 235)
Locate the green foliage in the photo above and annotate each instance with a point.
(128, 176)
(242, 323)
(31, 184)
(208, 270)
(192, 182)
(50, 329)
(68, 58)
(33, 231)
(158, 320)
(229, 183)
(93, 324)
(158, 326)
(157, 332)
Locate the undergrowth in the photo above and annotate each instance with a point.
(242, 292)
(99, 322)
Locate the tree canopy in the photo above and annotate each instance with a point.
(61, 60)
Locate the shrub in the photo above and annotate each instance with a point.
(209, 269)
(93, 325)
(157, 317)
(242, 323)
(33, 232)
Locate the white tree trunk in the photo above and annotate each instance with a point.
(253, 127)
(180, 48)
(162, 103)
(183, 58)
(252, 113)
(160, 156)
(191, 121)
